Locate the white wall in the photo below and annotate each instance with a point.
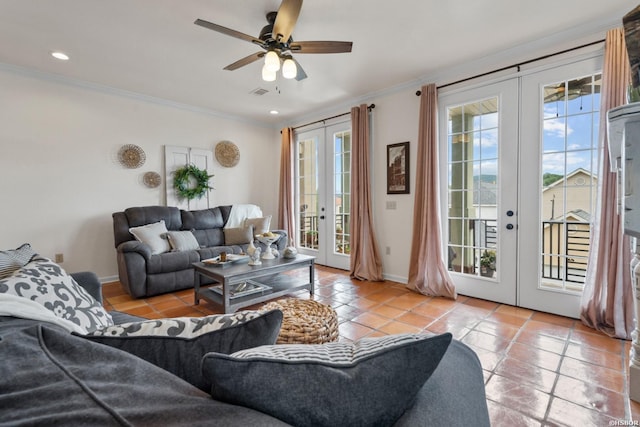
(60, 180)
(395, 119)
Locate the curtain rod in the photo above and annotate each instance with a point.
(370, 107)
(518, 65)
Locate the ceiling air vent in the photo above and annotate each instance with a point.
(259, 91)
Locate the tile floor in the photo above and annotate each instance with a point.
(539, 369)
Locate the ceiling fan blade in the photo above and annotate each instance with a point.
(228, 31)
(244, 61)
(321, 47)
(286, 19)
(301, 74)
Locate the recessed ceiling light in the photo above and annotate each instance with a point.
(61, 56)
(274, 112)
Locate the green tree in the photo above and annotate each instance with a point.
(550, 178)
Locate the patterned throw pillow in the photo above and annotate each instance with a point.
(177, 345)
(46, 283)
(13, 259)
(182, 241)
(370, 382)
(154, 235)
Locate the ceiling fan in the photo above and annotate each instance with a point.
(275, 38)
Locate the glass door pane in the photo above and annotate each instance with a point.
(473, 175)
(308, 193)
(568, 181)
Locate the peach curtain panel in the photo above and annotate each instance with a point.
(428, 273)
(365, 260)
(286, 216)
(607, 299)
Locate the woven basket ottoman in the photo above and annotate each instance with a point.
(305, 321)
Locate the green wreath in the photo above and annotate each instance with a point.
(182, 183)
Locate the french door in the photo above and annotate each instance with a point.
(479, 129)
(561, 131)
(520, 179)
(323, 194)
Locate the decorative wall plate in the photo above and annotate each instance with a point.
(131, 156)
(151, 179)
(227, 154)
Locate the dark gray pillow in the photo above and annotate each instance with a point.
(371, 382)
(177, 345)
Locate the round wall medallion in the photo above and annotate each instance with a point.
(131, 156)
(151, 179)
(227, 154)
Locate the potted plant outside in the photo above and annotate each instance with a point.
(488, 263)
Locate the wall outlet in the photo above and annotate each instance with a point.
(388, 250)
(59, 257)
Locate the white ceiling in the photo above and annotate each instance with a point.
(152, 47)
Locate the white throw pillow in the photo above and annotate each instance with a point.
(260, 225)
(182, 241)
(154, 235)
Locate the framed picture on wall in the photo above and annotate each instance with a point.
(398, 168)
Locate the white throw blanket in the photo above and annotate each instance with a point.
(240, 212)
(11, 305)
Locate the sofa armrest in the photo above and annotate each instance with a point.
(89, 281)
(283, 241)
(135, 246)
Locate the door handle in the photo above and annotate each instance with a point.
(509, 213)
(321, 216)
(509, 226)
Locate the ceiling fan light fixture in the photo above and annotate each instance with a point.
(272, 61)
(289, 69)
(268, 75)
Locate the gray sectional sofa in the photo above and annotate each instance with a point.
(144, 273)
(49, 376)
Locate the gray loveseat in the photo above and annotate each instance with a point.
(49, 376)
(143, 273)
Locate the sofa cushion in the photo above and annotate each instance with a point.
(238, 236)
(178, 344)
(371, 382)
(50, 377)
(46, 283)
(201, 219)
(153, 235)
(143, 215)
(11, 260)
(182, 241)
(260, 225)
(170, 262)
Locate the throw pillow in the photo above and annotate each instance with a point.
(182, 241)
(46, 283)
(178, 345)
(13, 259)
(260, 225)
(238, 236)
(153, 235)
(371, 382)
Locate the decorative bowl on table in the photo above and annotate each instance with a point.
(267, 240)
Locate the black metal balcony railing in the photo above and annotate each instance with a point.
(309, 232)
(565, 247)
(565, 250)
